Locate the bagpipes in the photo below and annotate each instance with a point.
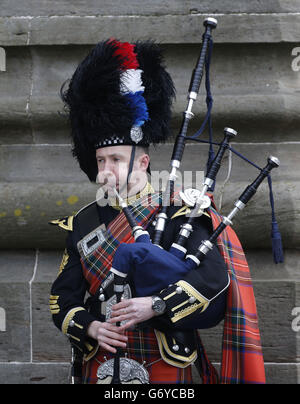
(150, 266)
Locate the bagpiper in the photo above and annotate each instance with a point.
(119, 101)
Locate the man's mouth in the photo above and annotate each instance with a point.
(109, 184)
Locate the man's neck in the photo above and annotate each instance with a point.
(136, 194)
(137, 188)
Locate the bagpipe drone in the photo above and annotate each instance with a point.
(170, 262)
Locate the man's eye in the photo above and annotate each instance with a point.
(116, 159)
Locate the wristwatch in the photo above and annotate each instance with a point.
(158, 305)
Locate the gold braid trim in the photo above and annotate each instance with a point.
(185, 210)
(65, 223)
(92, 351)
(178, 360)
(69, 317)
(191, 292)
(54, 307)
(64, 262)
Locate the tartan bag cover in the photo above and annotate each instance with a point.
(242, 358)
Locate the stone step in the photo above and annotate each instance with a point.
(170, 28)
(255, 89)
(143, 7)
(32, 194)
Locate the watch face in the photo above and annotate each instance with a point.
(159, 306)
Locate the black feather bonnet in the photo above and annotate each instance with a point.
(120, 94)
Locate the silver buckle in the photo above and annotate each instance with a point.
(107, 306)
(131, 372)
(91, 241)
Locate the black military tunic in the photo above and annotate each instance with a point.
(69, 291)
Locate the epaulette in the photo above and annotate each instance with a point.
(84, 208)
(65, 223)
(87, 219)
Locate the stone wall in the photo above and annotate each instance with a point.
(255, 78)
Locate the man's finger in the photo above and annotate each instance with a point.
(123, 304)
(117, 319)
(107, 347)
(114, 342)
(121, 312)
(110, 327)
(128, 324)
(115, 336)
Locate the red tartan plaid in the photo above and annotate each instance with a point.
(96, 266)
(159, 371)
(242, 359)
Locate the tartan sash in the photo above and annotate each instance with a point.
(242, 359)
(96, 265)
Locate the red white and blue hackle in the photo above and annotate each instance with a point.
(131, 86)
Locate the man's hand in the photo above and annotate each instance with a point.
(108, 335)
(134, 311)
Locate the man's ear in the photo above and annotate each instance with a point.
(144, 161)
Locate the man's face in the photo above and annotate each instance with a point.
(113, 164)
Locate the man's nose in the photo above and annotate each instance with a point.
(107, 166)
(107, 176)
